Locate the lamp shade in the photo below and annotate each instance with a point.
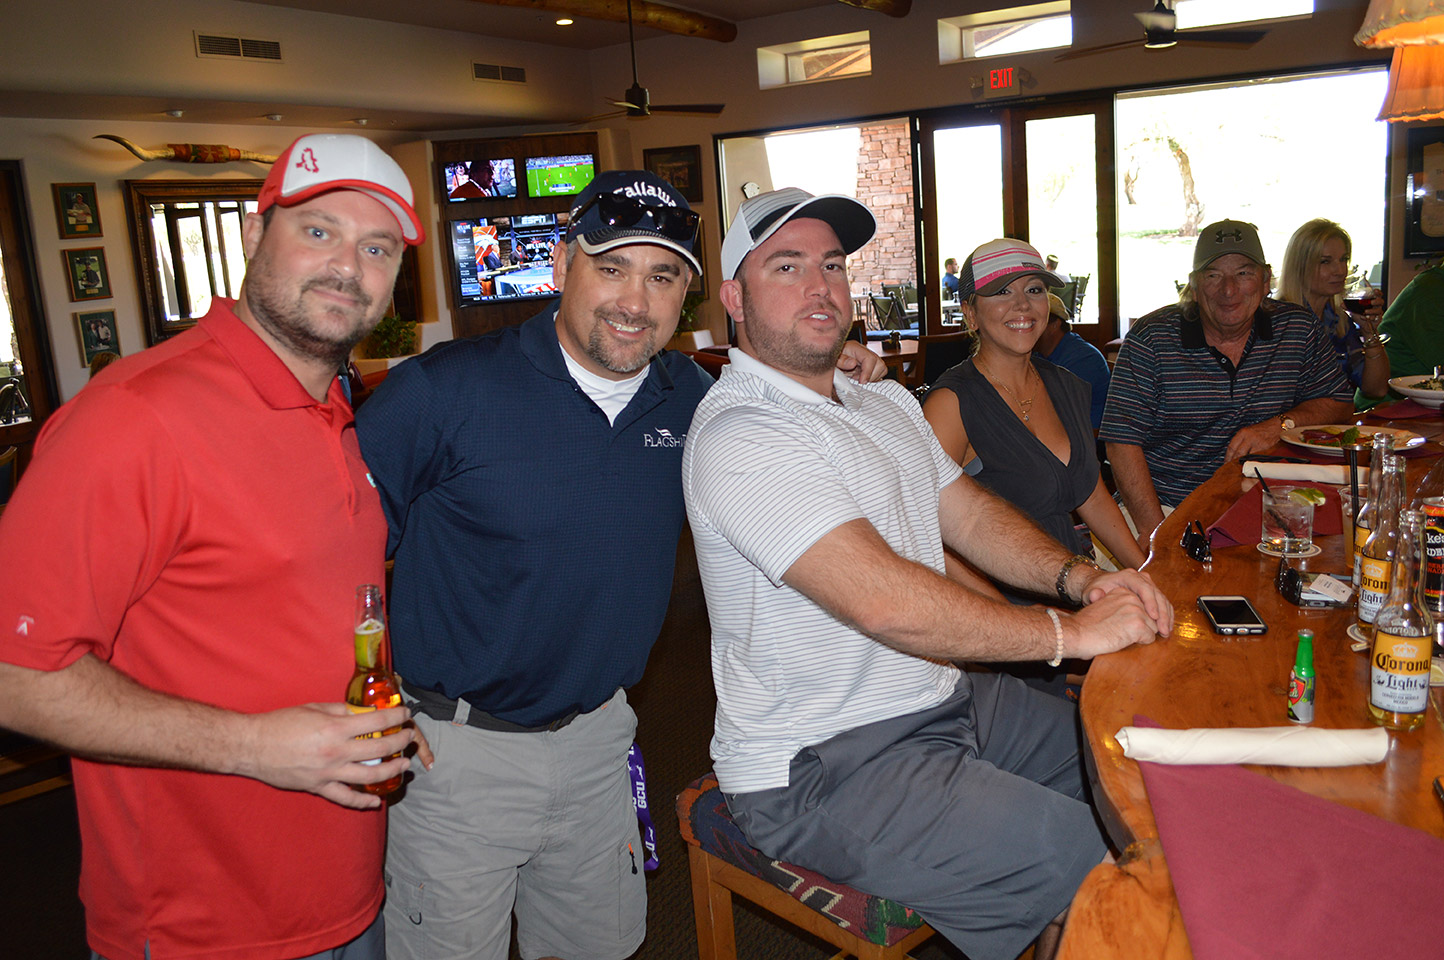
(1402, 23)
(1416, 85)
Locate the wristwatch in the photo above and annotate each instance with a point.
(1286, 422)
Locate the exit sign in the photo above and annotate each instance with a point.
(1002, 82)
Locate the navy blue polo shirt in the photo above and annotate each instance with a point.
(1182, 401)
(534, 541)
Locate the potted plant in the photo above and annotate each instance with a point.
(393, 337)
(692, 333)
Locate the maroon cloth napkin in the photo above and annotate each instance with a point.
(1242, 523)
(1406, 409)
(1263, 870)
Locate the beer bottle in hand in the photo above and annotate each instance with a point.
(373, 686)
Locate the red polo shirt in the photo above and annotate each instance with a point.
(195, 519)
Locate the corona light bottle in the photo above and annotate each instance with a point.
(373, 686)
(1366, 512)
(1376, 560)
(1429, 500)
(1399, 665)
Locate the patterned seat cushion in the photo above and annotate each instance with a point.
(707, 823)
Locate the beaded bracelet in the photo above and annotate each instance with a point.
(1057, 637)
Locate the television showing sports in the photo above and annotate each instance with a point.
(559, 176)
(505, 258)
(480, 179)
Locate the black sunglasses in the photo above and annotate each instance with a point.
(622, 212)
(1195, 543)
(1289, 583)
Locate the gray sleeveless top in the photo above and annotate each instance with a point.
(1016, 464)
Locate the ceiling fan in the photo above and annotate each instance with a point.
(1160, 30)
(636, 102)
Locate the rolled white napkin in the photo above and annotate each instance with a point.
(1338, 475)
(1285, 746)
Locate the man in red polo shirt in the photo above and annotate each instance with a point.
(185, 549)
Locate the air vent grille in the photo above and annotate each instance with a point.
(493, 71)
(215, 46)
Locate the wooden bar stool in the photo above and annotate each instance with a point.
(724, 864)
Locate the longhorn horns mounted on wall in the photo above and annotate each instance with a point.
(190, 152)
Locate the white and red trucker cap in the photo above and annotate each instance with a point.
(321, 162)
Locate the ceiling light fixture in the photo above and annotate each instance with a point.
(275, 117)
(1401, 23)
(1414, 28)
(361, 121)
(565, 22)
(177, 114)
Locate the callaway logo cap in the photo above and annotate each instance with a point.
(321, 162)
(624, 207)
(998, 263)
(763, 215)
(1225, 237)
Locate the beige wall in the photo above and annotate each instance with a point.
(349, 62)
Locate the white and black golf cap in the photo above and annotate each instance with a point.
(765, 214)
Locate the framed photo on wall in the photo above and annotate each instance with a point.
(97, 334)
(1424, 221)
(76, 211)
(679, 166)
(86, 272)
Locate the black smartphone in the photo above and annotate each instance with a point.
(1232, 615)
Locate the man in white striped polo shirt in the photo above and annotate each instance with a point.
(846, 739)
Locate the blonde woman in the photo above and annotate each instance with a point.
(1024, 418)
(1315, 270)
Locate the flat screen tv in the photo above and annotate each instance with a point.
(480, 179)
(505, 258)
(559, 176)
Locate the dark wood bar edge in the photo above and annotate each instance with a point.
(1128, 909)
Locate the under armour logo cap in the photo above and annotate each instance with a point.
(321, 162)
(765, 214)
(1225, 237)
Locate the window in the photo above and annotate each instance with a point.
(1038, 26)
(1245, 151)
(1211, 13)
(186, 235)
(27, 383)
(809, 61)
(871, 161)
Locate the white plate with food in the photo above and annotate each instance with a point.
(1421, 388)
(1331, 438)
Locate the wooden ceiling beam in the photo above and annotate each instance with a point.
(644, 13)
(893, 8)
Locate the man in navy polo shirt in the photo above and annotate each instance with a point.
(531, 480)
(1213, 378)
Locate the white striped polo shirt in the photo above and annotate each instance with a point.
(769, 468)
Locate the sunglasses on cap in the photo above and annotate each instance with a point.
(621, 212)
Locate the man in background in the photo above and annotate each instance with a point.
(531, 480)
(950, 278)
(1414, 323)
(194, 526)
(1061, 346)
(1215, 377)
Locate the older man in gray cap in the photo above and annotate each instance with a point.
(1217, 376)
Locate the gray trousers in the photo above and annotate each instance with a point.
(971, 813)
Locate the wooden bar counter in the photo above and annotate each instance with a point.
(1199, 679)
